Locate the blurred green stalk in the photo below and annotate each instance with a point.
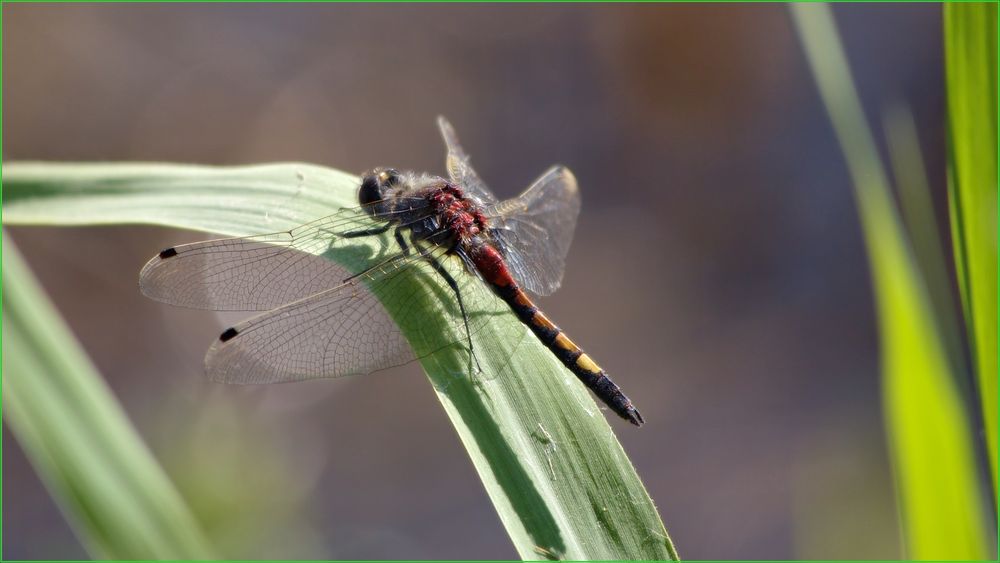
(920, 220)
(114, 494)
(931, 445)
(970, 40)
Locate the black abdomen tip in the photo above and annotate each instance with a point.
(167, 253)
(634, 417)
(228, 335)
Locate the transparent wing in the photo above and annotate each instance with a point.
(346, 330)
(341, 331)
(262, 272)
(330, 335)
(459, 168)
(535, 229)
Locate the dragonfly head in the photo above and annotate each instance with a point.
(376, 185)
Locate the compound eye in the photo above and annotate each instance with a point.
(389, 177)
(371, 190)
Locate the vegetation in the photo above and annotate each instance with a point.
(552, 466)
(928, 424)
(558, 477)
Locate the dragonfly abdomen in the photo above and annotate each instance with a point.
(571, 355)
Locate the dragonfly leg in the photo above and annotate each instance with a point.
(458, 294)
(402, 244)
(401, 241)
(366, 232)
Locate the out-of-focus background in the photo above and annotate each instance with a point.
(718, 270)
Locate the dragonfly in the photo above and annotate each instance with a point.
(323, 290)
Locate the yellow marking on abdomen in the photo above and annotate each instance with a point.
(565, 343)
(585, 363)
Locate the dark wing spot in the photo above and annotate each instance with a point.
(167, 253)
(228, 335)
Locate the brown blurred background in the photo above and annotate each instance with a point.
(717, 271)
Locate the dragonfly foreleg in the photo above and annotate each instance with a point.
(440, 269)
(366, 232)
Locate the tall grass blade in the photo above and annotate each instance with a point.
(921, 224)
(114, 494)
(970, 39)
(931, 445)
(554, 470)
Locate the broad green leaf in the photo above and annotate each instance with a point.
(970, 39)
(931, 444)
(78, 438)
(558, 477)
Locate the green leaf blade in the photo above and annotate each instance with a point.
(557, 475)
(78, 438)
(970, 38)
(228, 201)
(928, 428)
